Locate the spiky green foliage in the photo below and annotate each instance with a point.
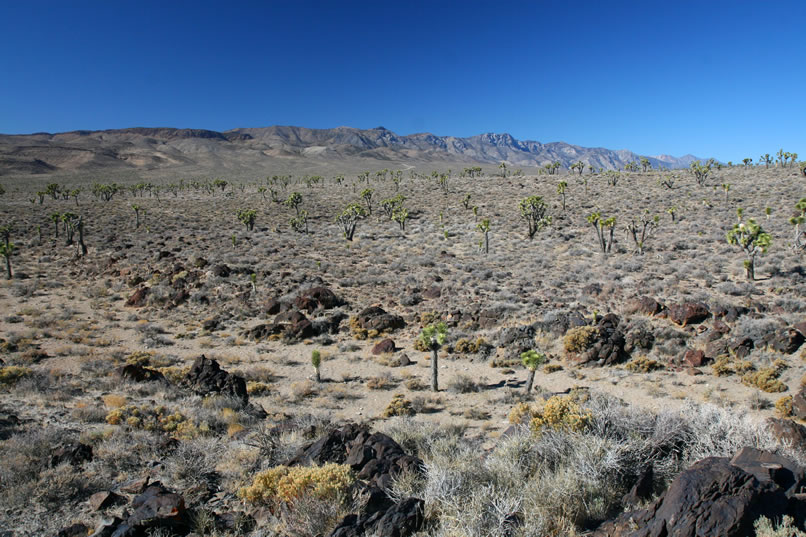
(299, 223)
(552, 168)
(348, 219)
(433, 337)
(752, 239)
(137, 211)
(366, 195)
(531, 360)
(484, 228)
(562, 186)
(247, 218)
(701, 171)
(6, 248)
(605, 228)
(579, 166)
(534, 211)
(642, 229)
(645, 164)
(294, 200)
(316, 362)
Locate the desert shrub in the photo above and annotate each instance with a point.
(765, 379)
(563, 412)
(787, 528)
(723, 366)
(467, 346)
(288, 484)
(783, 406)
(383, 381)
(579, 339)
(463, 384)
(552, 368)
(11, 374)
(156, 418)
(258, 389)
(643, 364)
(398, 406)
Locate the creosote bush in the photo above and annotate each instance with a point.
(157, 418)
(766, 379)
(579, 339)
(560, 411)
(288, 484)
(398, 406)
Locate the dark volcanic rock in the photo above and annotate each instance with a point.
(399, 520)
(222, 271)
(717, 496)
(383, 347)
(156, 508)
(608, 349)
(75, 530)
(694, 358)
(788, 432)
(688, 313)
(644, 305)
(799, 404)
(138, 298)
(138, 373)
(376, 318)
(206, 376)
(317, 297)
(74, 453)
(787, 341)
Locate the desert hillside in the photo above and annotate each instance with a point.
(342, 350)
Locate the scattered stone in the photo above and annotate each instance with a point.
(138, 298)
(74, 453)
(317, 298)
(103, 499)
(788, 341)
(434, 291)
(75, 530)
(134, 486)
(788, 432)
(403, 360)
(644, 305)
(799, 404)
(642, 489)
(206, 376)
(384, 347)
(138, 373)
(376, 318)
(694, 358)
(399, 520)
(608, 349)
(222, 271)
(688, 313)
(107, 527)
(742, 348)
(156, 508)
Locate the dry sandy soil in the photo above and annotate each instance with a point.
(65, 317)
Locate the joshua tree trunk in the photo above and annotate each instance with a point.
(530, 380)
(317, 375)
(750, 268)
(434, 370)
(81, 244)
(8, 265)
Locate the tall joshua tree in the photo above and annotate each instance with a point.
(433, 338)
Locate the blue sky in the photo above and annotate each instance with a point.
(712, 78)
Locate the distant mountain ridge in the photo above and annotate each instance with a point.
(255, 148)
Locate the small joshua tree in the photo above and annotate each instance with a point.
(366, 195)
(503, 168)
(533, 210)
(552, 168)
(6, 248)
(672, 212)
(802, 166)
(726, 188)
(400, 215)
(247, 218)
(701, 171)
(766, 159)
(532, 360)
(561, 187)
(747, 162)
(348, 219)
(294, 200)
(433, 338)
(137, 211)
(316, 362)
(645, 164)
(667, 182)
(797, 221)
(752, 239)
(300, 222)
(642, 229)
(578, 166)
(466, 202)
(601, 225)
(56, 218)
(484, 227)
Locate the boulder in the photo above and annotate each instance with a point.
(103, 499)
(799, 404)
(138, 298)
(742, 348)
(644, 305)
(688, 313)
(399, 520)
(206, 377)
(74, 530)
(317, 298)
(788, 432)
(138, 373)
(717, 496)
(384, 347)
(694, 358)
(376, 318)
(74, 453)
(609, 347)
(222, 271)
(157, 508)
(788, 340)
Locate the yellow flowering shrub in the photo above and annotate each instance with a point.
(10, 374)
(560, 411)
(157, 418)
(286, 484)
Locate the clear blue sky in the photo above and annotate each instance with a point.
(713, 78)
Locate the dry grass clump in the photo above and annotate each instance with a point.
(398, 406)
(156, 418)
(643, 364)
(467, 346)
(563, 412)
(579, 339)
(288, 484)
(384, 381)
(783, 406)
(765, 528)
(463, 384)
(766, 379)
(552, 368)
(11, 374)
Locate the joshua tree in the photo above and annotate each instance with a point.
(220, 183)
(667, 182)
(503, 168)
(137, 210)
(294, 200)
(578, 166)
(701, 171)
(532, 360)
(247, 218)
(797, 221)
(366, 195)
(316, 362)
(747, 162)
(781, 157)
(752, 239)
(6, 248)
(533, 210)
(300, 222)
(466, 202)
(552, 168)
(726, 188)
(645, 164)
(803, 168)
(766, 159)
(400, 215)
(642, 229)
(561, 186)
(442, 181)
(391, 204)
(433, 337)
(672, 211)
(56, 218)
(613, 176)
(631, 167)
(600, 225)
(484, 227)
(349, 218)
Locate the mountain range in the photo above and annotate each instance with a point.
(259, 149)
